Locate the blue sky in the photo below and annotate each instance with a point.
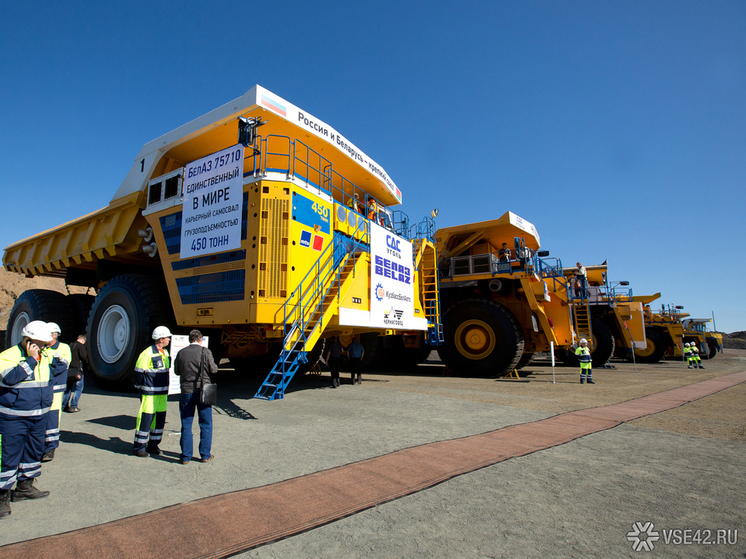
(617, 128)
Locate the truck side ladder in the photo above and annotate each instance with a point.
(311, 306)
(426, 261)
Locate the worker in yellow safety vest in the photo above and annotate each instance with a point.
(151, 378)
(61, 355)
(584, 357)
(696, 359)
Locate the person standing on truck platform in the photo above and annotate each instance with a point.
(25, 399)
(78, 365)
(581, 280)
(503, 254)
(355, 352)
(584, 357)
(194, 365)
(151, 379)
(334, 358)
(61, 361)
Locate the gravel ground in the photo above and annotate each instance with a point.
(680, 469)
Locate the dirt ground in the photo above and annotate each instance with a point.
(679, 469)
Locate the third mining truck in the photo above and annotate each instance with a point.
(257, 223)
(616, 315)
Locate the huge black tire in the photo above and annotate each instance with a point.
(482, 338)
(373, 346)
(603, 344)
(655, 349)
(712, 347)
(39, 304)
(81, 304)
(121, 323)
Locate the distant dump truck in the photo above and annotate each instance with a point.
(669, 329)
(503, 301)
(257, 223)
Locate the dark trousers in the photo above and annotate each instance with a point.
(22, 441)
(334, 368)
(355, 368)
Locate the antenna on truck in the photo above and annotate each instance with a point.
(247, 131)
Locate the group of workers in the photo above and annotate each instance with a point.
(41, 375)
(691, 352)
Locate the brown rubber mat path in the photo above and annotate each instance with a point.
(227, 524)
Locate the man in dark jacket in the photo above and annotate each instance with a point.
(194, 364)
(75, 373)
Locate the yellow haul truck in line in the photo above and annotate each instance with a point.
(669, 329)
(257, 223)
(616, 316)
(501, 305)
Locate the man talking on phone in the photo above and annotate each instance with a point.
(25, 400)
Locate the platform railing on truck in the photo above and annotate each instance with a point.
(281, 154)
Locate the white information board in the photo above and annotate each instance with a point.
(177, 344)
(213, 193)
(391, 280)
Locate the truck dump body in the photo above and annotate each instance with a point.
(268, 246)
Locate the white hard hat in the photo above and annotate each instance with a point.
(686, 344)
(37, 330)
(54, 328)
(583, 341)
(161, 332)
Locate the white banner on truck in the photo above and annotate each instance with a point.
(391, 280)
(213, 193)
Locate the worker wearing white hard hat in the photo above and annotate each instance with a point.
(60, 355)
(151, 379)
(584, 357)
(24, 404)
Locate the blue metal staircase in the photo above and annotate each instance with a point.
(311, 306)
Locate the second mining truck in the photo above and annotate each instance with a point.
(257, 223)
(502, 307)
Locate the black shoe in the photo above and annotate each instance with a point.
(48, 456)
(25, 490)
(66, 409)
(590, 381)
(140, 453)
(582, 381)
(73, 410)
(154, 450)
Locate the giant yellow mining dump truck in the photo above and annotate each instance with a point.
(500, 308)
(616, 316)
(257, 223)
